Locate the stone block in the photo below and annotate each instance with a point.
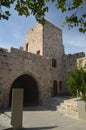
(17, 108)
(82, 110)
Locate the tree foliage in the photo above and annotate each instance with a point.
(39, 8)
(77, 82)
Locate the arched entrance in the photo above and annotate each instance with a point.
(31, 94)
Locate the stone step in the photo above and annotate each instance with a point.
(70, 101)
(51, 107)
(54, 102)
(62, 108)
(63, 105)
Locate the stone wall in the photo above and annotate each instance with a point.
(47, 39)
(81, 62)
(53, 48)
(47, 42)
(52, 41)
(16, 63)
(69, 108)
(34, 39)
(71, 61)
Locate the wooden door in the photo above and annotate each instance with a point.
(55, 88)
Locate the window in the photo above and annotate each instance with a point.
(38, 52)
(26, 46)
(54, 63)
(60, 85)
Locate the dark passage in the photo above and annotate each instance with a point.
(31, 94)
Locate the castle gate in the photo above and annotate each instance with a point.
(31, 93)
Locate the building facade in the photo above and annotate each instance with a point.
(40, 68)
(81, 62)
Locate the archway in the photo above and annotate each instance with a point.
(31, 94)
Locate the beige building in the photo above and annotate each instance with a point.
(81, 62)
(40, 68)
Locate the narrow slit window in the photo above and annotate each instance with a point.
(54, 63)
(26, 46)
(38, 52)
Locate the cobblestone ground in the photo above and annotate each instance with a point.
(39, 118)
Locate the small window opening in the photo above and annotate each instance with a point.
(54, 63)
(38, 52)
(26, 46)
(60, 85)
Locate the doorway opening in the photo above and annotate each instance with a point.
(31, 94)
(55, 88)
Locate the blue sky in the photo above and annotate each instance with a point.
(13, 31)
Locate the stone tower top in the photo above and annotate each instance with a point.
(45, 40)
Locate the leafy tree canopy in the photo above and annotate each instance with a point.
(77, 82)
(39, 8)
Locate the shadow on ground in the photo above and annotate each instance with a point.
(51, 104)
(34, 128)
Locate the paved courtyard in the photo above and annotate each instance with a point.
(39, 118)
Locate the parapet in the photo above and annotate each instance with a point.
(71, 60)
(3, 49)
(76, 55)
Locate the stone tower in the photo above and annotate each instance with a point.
(46, 40)
(40, 69)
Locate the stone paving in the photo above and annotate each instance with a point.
(39, 118)
(4, 121)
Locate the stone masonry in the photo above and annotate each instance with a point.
(15, 63)
(43, 59)
(69, 107)
(81, 62)
(47, 40)
(17, 108)
(71, 61)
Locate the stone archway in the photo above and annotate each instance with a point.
(31, 93)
